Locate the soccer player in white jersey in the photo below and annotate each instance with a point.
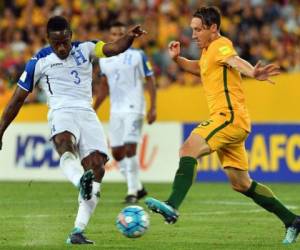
(64, 72)
(123, 77)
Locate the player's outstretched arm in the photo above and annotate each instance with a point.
(259, 72)
(101, 91)
(11, 110)
(191, 66)
(151, 87)
(122, 44)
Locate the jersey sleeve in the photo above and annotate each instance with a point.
(30, 76)
(95, 48)
(147, 68)
(224, 50)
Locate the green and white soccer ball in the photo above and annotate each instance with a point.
(133, 221)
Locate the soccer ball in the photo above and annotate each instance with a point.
(133, 221)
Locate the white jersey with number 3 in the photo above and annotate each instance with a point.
(125, 75)
(68, 82)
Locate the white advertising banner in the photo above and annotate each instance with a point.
(27, 154)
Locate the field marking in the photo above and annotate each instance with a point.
(239, 203)
(224, 212)
(29, 216)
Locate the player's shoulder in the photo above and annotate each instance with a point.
(222, 41)
(43, 53)
(88, 44)
(76, 44)
(135, 50)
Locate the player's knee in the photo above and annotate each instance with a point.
(96, 162)
(64, 144)
(185, 150)
(118, 154)
(240, 187)
(130, 150)
(130, 153)
(118, 157)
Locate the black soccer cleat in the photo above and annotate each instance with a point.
(77, 238)
(86, 184)
(130, 199)
(141, 193)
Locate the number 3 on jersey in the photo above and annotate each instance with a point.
(76, 76)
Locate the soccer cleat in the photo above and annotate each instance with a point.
(141, 193)
(169, 213)
(86, 184)
(292, 232)
(77, 237)
(130, 199)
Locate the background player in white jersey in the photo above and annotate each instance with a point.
(64, 72)
(123, 77)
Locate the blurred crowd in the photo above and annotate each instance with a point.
(260, 30)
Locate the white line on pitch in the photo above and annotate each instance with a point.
(239, 203)
(223, 212)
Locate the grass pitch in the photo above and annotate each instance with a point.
(36, 215)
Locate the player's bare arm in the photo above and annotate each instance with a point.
(102, 91)
(120, 45)
(259, 72)
(151, 87)
(11, 110)
(191, 66)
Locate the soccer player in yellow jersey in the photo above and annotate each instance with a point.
(220, 70)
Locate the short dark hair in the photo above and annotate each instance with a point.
(118, 24)
(57, 23)
(209, 16)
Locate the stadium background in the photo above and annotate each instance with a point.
(261, 30)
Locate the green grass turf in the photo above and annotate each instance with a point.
(40, 215)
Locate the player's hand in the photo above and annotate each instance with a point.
(136, 31)
(151, 116)
(262, 73)
(174, 49)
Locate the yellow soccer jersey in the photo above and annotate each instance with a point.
(222, 84)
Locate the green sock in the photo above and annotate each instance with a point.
(263, 196)
(183, 180)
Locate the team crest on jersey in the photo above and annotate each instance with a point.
(79, 57)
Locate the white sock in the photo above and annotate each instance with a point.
(71, 167)
(96, 187)
(133, 182)
(87, 207)
(123, 167)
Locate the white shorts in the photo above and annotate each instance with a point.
(84, 125)
(125, 128)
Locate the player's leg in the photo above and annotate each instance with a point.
(135, 186)
(264, 197)
(65, 134)
(233, 158)
(116, 136)
(118, 153)
(65, 144)
(95, 161)
(201, 141)
(194, 147)
(93, 152)
(133, 124)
